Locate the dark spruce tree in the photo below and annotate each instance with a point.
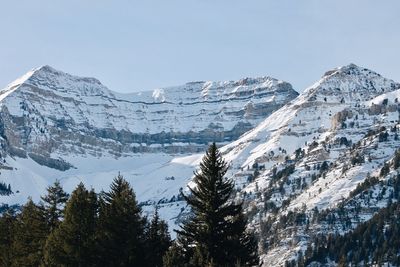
(7, 221)
(215, 234)
(176, 255)
(121, 228)
(30, 235)
(158, 241)
(53, 204)
(72, 243)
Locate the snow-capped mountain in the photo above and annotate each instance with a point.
(54, 112)
(316, 163)
(58, 126)
(308, 158)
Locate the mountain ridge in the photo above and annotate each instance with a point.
(61, 126)
(309, 157)
(84, 103)
(47, 71)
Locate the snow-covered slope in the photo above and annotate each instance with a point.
(312, 153)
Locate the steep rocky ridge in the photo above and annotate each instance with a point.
(48, 111)
(308, 157)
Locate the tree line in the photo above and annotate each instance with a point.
(83, 229)
(372, 243)
(5, 189)
(108, 228)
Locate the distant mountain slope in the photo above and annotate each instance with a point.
(46, 106)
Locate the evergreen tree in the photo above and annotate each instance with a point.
(374, 242)
(121, 227)
(7, 221)
(30, 234)
(216, 231)
(54, 202)
(158, 241)
(73, 242)
(175, 257)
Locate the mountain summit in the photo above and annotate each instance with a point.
(311, 156)
(58, 120)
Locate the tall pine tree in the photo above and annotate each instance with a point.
(73, 242)
(54, 202)
(121, 227)
(216, 233)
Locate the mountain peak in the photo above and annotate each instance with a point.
(50, 79)
(354, 81)
(350, 69)
(33, 72)
(46, 68)
(351, 66)
(48, 72)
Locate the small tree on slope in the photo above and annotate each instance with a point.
(215, 235)
(54, 202)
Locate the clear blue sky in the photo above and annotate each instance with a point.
(136, 45)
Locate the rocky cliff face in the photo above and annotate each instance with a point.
(50, 112)
(55, 125)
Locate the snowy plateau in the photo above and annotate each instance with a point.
(289, 154)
